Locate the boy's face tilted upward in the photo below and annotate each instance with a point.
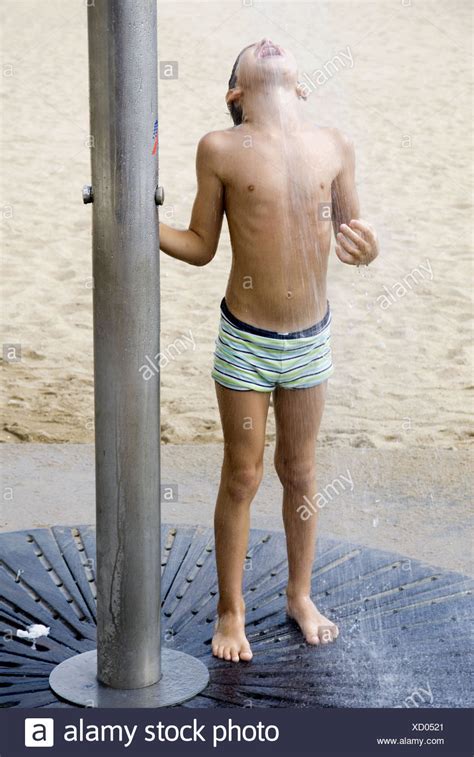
(265, 62)
(258, 68)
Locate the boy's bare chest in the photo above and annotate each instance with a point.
(266, 173)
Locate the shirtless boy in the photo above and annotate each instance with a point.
(281, 182)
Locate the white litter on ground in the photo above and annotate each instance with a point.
(33, 633)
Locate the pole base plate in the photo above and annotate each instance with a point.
(75, 680)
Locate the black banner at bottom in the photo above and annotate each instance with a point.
(189, 732)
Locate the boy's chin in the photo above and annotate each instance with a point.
(275, 71)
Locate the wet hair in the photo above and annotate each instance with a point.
(235, 109)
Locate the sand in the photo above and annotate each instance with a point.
(400, 330)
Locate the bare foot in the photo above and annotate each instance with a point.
(315, 627)
(229, 641)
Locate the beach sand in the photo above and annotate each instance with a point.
(402, 375)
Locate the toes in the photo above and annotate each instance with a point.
(325, 635)
(231, 653)
(312, 638)
(328, 634)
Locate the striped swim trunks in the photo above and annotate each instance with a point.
(249, 358)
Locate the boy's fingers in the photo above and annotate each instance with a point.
(366, 228)
(345, 257)
(355, 237)
(356, 243)
(347, 245)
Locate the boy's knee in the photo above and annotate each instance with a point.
(295, 474)
(243, 480)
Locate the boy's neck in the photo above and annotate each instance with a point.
(277, 109)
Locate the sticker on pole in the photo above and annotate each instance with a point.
(155, 137)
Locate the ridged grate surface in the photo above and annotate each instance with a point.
(405, 626)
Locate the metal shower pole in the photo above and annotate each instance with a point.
(123, 108)
(129, 668)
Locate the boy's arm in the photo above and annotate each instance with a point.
(356, 240)
(197, 245)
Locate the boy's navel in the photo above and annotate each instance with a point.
(250, 187)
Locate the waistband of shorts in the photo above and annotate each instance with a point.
(310, 331)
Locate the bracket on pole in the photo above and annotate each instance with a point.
(159, 195)
(87, 194)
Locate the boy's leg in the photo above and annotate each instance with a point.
(298, 414)
(243, 417)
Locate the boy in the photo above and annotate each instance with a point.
(280, 180)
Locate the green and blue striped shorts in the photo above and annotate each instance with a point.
(249, 358)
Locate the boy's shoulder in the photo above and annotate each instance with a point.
(337, 146)
(219, 148)
(340, 139)
(333, 133)
(215, 140)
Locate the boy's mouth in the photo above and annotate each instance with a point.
(269, 50)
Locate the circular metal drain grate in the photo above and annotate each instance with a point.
(404, 625)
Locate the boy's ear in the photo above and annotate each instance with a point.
(233, 95)
(302, 90)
